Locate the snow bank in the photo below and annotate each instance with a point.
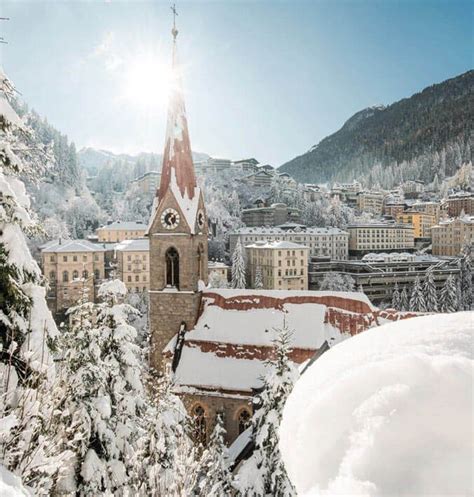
(10, 485)
(388, 412)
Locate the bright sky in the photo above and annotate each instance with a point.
(262, 79)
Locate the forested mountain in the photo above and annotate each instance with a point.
(427, 134)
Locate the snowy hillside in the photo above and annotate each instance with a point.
(388, 412)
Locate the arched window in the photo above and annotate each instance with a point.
(85, 274)
(244, 420)
(75, 275)
(65, 276)
(172, 267)
(200, 253)
(200, 424)
(52, 276)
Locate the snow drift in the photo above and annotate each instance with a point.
(388, 412)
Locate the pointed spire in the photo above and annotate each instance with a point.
(177, 169)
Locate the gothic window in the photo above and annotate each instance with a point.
(200, 260)
(244, 420)
(172, 267)
(65, 276)
(200, 424)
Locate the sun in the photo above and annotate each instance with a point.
(147, 81)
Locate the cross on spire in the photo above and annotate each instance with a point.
(174, 31)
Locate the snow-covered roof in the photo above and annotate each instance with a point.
(276, 244)
(217, 265)
(139, 245)
(124, 225)
(227, 348)
(279, 231)
(72, 246)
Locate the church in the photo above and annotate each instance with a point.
(215, 341)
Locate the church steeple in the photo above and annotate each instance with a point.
(177, 231)
(177, 172)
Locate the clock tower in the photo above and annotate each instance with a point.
(177, 231)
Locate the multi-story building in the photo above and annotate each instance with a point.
(247, 165)
(432, 208)
(450, 236)
(379, 274)
(259, 178)
(270, 216)
(282, 265)
(331, 242)
(133, 264)
(120, 231)
(370, 202)
(393, 208)
(413, 188)
(213, 165)
(380, 237)
(148, 182)
(220, 268)
(459, 202)
(421, 222)
(73, 268)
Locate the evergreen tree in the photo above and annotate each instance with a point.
(396, 298)
(467, 294)
(264, 473)
(430, 293)
(337, 282)
(216, 280)
(27, 330)
(449, 295)
(404, 306)
(258, 278)
(238, 266)
(216, 479)
(103, 403)
(166, 462)
(417, 299)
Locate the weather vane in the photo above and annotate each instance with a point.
(174, 31)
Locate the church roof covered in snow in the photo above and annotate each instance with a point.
(226, 350)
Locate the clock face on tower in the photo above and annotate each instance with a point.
(201, 218)
(170, 219)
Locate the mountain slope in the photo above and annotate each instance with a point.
(438, 120)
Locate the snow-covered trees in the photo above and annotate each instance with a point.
(337, 282)
(430, 293)
(467, 294)
(264, 473)
(166, 462)
(417, 299)
(396, 298)
(104, 400)
(217, 280)
(27, 330)
(215, 477)
(449, 295)
(238, 266)
(258, 284)
(404, 303)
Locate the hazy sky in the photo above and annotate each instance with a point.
(262, 79)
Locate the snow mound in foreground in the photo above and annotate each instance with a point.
(10, 485)
(388, 412)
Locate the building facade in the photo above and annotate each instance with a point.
(458, 203)
(282, 265)
(73, 269)
(332, 242)
(421, 222)
(120, 231)
(379, 274)
(370, 202)
(270, 216)
(147, 183)
(450, 236)
(133, 264)
(380, 237)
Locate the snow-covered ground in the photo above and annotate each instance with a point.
(388, 412)
(10, 485)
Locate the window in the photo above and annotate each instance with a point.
(137, 277)
(74, 258)
(84, 258)
(96, 274)
(51, 258)
(129, 258)
(200, 425)
(75, 275)
(52, 276)
(129, 278)
(96, 257)
(172, 267)
(244, 420)
(85, 274)
(65, 276)
(129, 267)
(64, 258)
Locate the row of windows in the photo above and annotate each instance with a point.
(74, 258)
(137, 278)
(74, 275)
